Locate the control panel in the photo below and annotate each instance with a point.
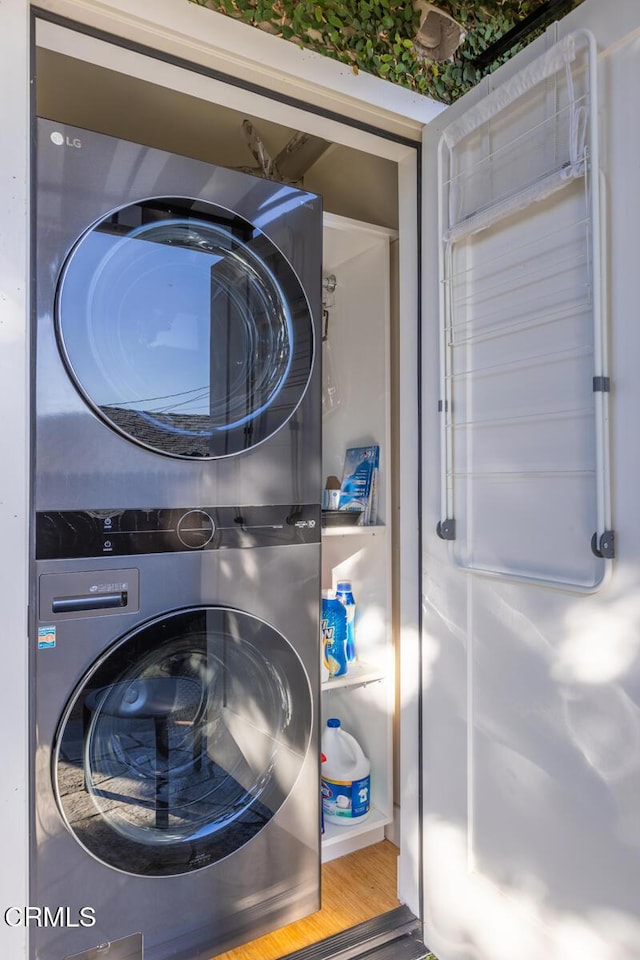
(104, 533)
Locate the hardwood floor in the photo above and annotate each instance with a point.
(354, 888)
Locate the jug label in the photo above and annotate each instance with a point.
(345, 798)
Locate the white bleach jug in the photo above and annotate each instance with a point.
(346, 777)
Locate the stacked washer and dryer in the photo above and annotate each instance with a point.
(176, 552)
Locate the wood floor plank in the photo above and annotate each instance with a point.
(355, 888)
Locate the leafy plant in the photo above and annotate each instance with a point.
(377, 36)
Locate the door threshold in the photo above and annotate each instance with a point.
(395, 935)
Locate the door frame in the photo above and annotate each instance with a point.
(377, 118)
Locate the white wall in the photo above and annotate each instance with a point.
(14, 385)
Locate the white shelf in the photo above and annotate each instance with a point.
(338, 839)
(359, 326)
(358, 672)
(371, 530)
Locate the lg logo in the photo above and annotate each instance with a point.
(60, 140)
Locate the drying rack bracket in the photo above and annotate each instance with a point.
(606, 546)
(446, 529)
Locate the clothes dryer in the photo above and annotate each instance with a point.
(176, 790)
(178, 306)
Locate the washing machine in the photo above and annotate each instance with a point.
(175, 782)
(178, 308)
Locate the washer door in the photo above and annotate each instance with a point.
(184, 328)
(182, 742)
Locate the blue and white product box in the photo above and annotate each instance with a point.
(358, 483)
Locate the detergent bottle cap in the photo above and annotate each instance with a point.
(334, 722)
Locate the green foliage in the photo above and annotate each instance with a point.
(376, 36)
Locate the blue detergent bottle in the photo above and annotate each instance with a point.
(333, 624)
(344, 593)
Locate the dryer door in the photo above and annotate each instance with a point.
(184, 327)
(182, 742)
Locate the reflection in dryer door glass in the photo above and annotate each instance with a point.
(185, 329)
(183, 742)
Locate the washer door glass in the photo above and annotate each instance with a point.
(182, 742)
(184, 328)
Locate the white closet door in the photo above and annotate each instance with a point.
(530, 639)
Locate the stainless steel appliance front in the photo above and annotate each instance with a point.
(176, 756)
(177, 330)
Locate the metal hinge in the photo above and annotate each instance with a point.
(601, 385)
(443, 405)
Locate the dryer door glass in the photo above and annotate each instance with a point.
(182, 742)
(185, 328)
